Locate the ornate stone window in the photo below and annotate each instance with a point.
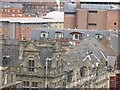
(26, 85)
(31, 65)
(34, 85)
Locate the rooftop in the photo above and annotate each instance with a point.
(31, 20)
(35, 34)
(55, 15)
(9, 5)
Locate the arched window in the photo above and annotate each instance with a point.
(82, 71)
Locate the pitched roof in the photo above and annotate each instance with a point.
(10, 53)
(89, 47)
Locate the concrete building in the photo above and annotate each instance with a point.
(92, 15)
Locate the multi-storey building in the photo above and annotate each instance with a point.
(20, 28)
(39, 8)
(34, 8)
(45, 63)
(115, 77)
(92, 15)
(39, 65)
(71, 36)
(11, 10)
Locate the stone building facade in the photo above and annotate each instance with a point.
(38, 67)
(44, 64)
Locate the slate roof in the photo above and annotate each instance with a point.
(69, 7)
(45, 52)
(35, 33)
(115, 42)
(10, 52)
(9, 5)
(91, 47)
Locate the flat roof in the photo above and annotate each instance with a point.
(29, 20)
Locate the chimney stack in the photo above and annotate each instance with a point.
(78, 4)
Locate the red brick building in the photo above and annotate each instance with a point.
(11, 10)
(20, 28)
(115, 79)
(92, 15)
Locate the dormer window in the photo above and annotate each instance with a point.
(44, 35)
(59, 35)
(6, 59)
(98, 36)
(76, 36)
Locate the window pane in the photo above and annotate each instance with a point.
(76, 36)
(33, 63)
(29, 62)
(34, 84)
(32, 69)
(26, 83)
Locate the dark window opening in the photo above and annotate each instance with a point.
(82, 71)
(92, 24)
(115, 23)
(70, 13)
(92, 11)
(69, 76)
(34, 84)
(31, 65)
(5, 61)
(44, 35)
(25, 83)
(76, 36)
